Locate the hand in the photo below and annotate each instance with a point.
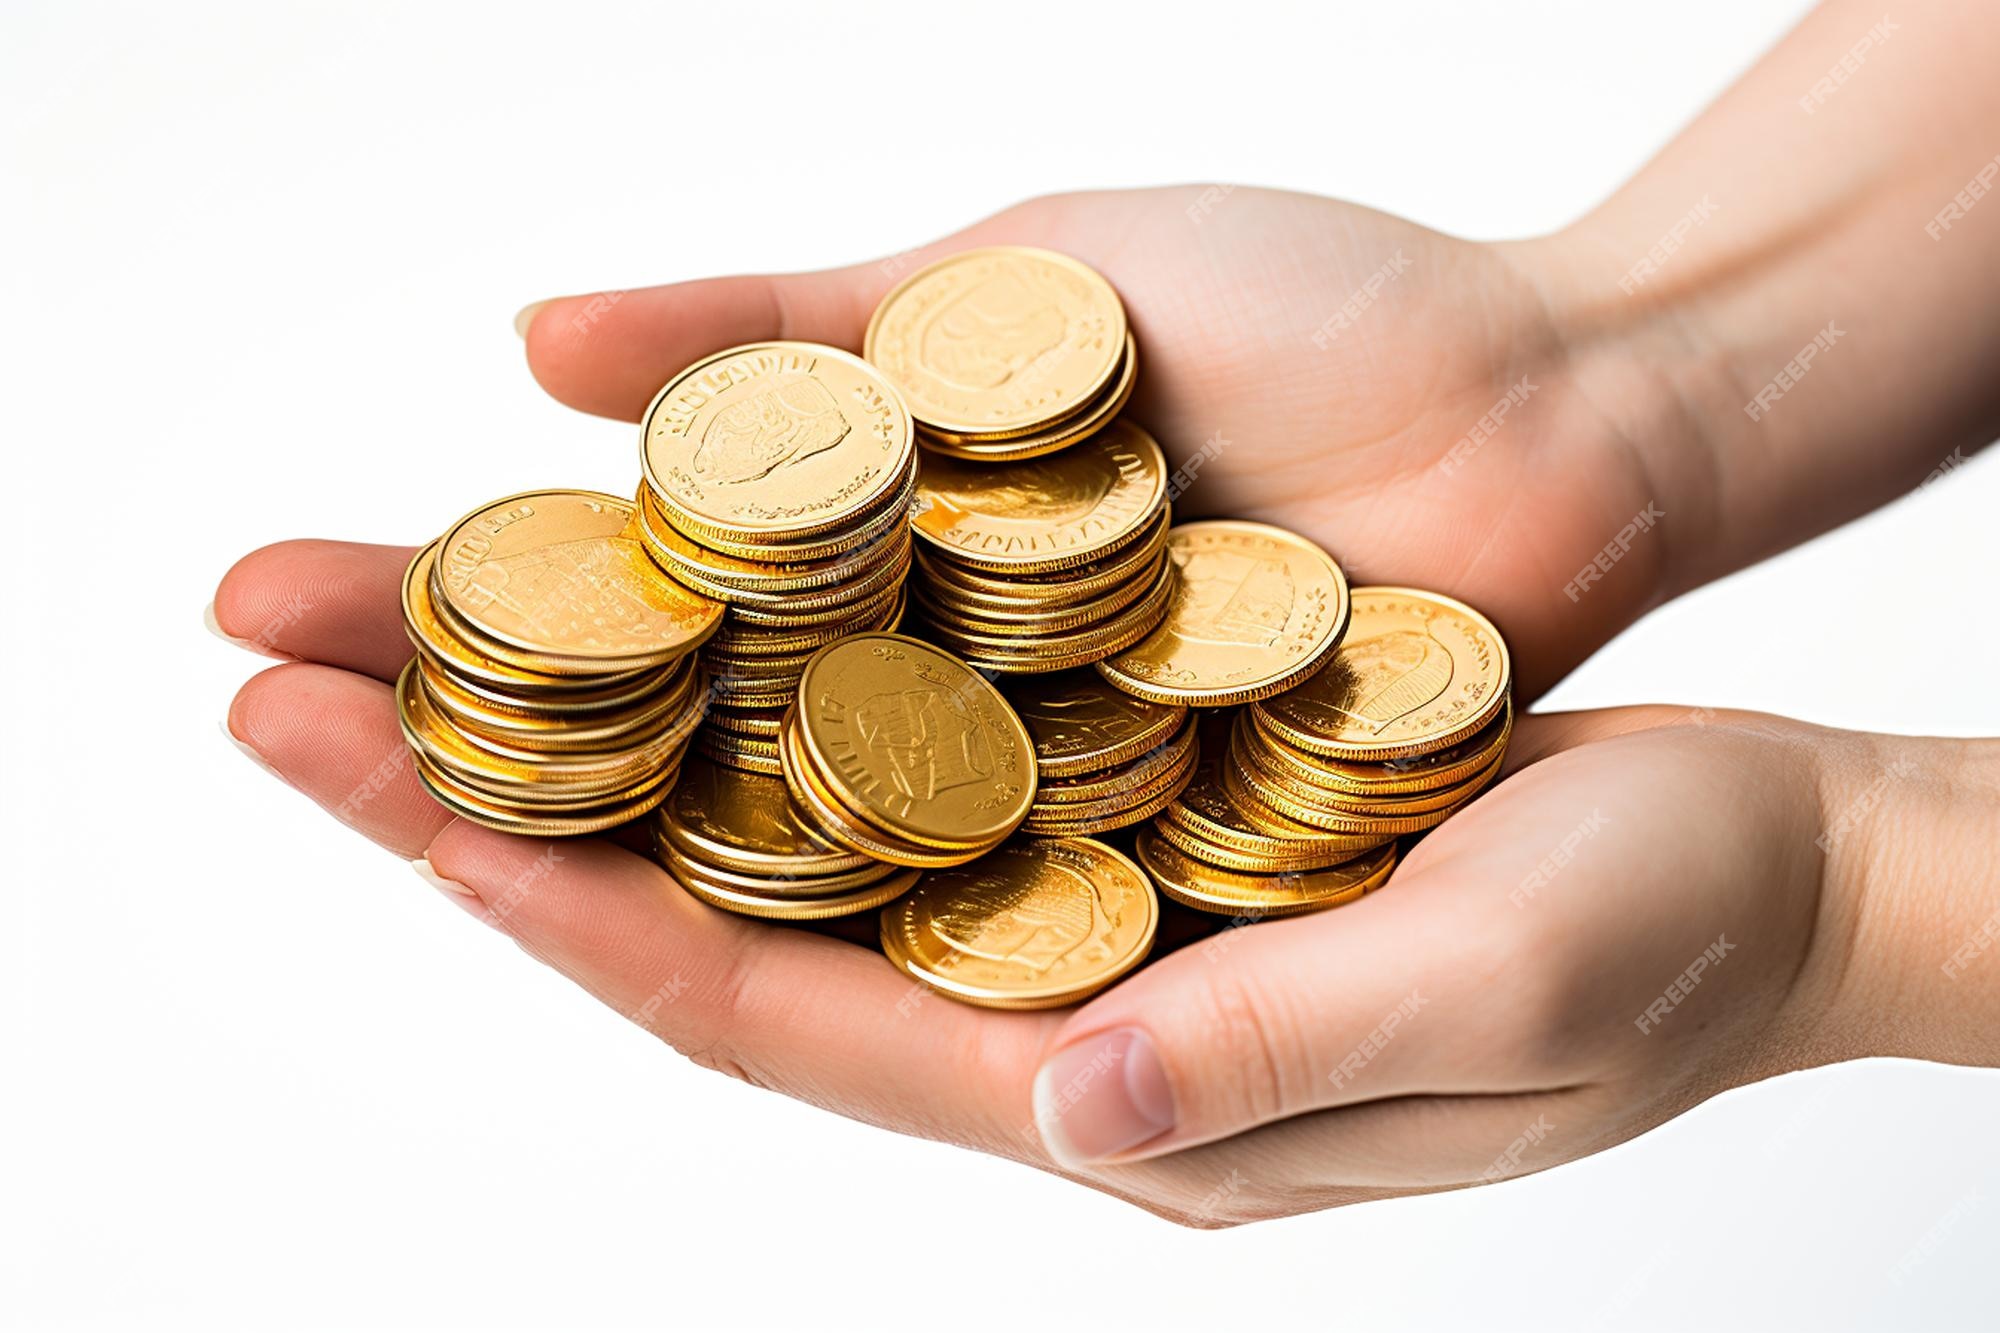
(1520, 1040)
(1333, 363)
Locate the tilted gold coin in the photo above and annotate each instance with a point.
(746, 822)
(783, 885)
(1080, 724)
(554, 581)
(1417, 672)
(1139, 772)
(511, 818)
(777, 442)
(1207, 888)
(840, 825)
(1404, 775)
(1104, 816)
(915, 742)
(1034, 924)
(998, 341)
(967, 586)
(1045, 514)
(1258, 609)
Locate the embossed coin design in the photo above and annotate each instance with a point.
(1036, 924)
(775, 442)
(1417, 672)
(553, 581)
(914, 742)
(1258, 609)
(998, 341)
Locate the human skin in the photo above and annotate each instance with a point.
(1222, 1102)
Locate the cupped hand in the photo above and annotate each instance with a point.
(1494, 1009)
(1410, 400)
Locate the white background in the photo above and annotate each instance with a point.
(260, 268)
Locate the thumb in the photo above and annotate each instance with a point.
(609, 352)
(1381, 998)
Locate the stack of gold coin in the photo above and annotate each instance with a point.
(1039, 923)
(556, 683)
(1407, 723)
(1005, 352)
(898, 750)
(1212, 852)
(778, 479)
(1104, 759)
(1048, 563)
(733, 839)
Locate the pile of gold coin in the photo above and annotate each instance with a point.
(1005, 352)
(733, 839)
(1104, 759)
(898, 750)
(1048, 563)
(1209, 695)
(778, 479)
(556, 683)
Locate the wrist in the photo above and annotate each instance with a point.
(1907, 960)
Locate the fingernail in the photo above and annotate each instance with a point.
(527, 317)
(255, 758)
(253, 645)
(1102, 1096)
(429, 875)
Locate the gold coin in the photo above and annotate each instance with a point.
(1079, 724)
(1034, 924)
(748, 754)
(840, 825)
(1245, 835)
(940, 605)
(999, 340)
(783, 885)
(1140, 775)
(1390, 777)
(915, 742)
(722, 576)
(745, 822)
(1417, 672)
(747, 721)
(1208, 888)
(1029, 592)
(1103, 817)
(882, 518)
(474, 714)
(1258, 609)
(554, 581)
(777, 442)
(1251, 784)
(1071, 430)
(1044, 514)
(507, 819)
(864, 899)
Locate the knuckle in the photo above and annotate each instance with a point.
(1252, 1032)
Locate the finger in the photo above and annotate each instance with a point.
(1387, 997)
(339, 603)
(1537, 736)
(333, 735)
(813, 1017)
(609, 352)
